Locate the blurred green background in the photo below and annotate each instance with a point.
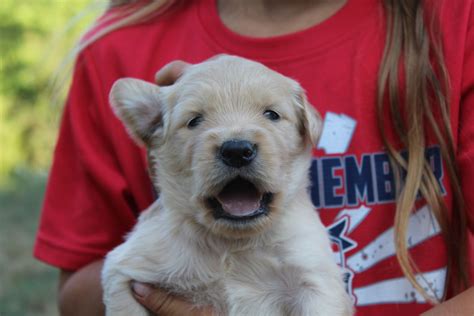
(36, 38)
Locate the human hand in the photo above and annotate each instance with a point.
(170, 72)
(161, 303)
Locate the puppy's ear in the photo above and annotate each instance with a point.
(139, 105)
(310, 119)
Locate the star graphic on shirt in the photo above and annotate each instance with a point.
(337, 234)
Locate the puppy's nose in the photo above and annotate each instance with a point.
(238, 153)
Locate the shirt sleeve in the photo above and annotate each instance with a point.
(466, 126)
(86, 209)
(465, 155)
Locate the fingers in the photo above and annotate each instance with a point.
(153, 299)
(170, 72)
(162, 303)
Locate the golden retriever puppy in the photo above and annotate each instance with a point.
(234, 227)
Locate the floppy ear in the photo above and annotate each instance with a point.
(139, 105)
(311, 123)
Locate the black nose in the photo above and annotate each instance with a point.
(238, 153)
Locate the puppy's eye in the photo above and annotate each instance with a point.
(271, 115)
(195, 121)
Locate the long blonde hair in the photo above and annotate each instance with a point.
(412, 49)
(415, 50)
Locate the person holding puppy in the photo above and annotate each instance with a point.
(394, 82)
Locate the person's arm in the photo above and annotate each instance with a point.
(460, 305)
(80, 294)
(83, 284)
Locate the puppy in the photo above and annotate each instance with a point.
(229, 148)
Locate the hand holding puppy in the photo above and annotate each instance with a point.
(162, 303)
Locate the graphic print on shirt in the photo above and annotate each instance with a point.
(354, 186)
(337, 133)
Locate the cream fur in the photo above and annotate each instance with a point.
(279, 264)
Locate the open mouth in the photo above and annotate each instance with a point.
(240, 200)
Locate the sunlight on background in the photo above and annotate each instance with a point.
(35, 38)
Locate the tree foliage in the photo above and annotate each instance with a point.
(35, 38)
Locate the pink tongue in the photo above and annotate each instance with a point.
(239, 198)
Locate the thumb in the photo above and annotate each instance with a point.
(170, 72)
(162, 303)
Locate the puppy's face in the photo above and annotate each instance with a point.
(229, 143)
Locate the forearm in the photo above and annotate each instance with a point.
(80, 292)
(460, 305)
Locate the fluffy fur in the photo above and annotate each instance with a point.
(279, 263)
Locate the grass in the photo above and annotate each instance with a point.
(27, 287)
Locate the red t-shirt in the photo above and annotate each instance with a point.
(99, 183)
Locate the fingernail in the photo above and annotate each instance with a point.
(140, 289)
